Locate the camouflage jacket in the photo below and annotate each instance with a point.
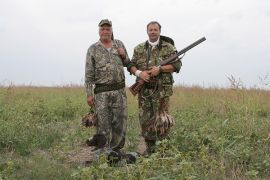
(163, 50)
(104, 66)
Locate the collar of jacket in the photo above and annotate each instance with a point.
(114, 44)
(146, 45)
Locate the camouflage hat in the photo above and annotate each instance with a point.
(104, 21)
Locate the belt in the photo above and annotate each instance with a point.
(108, 87)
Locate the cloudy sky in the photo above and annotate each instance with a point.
(44, 42)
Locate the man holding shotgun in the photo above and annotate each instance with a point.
(153, 98)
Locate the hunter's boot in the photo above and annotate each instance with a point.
(150, 146)
(98, 141)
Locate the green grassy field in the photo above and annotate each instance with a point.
(219, 134)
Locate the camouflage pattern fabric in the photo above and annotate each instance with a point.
(162, 51)
(111, 108)
(105, 67)
(151, 112)
(154, 102)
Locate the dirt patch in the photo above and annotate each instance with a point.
(83, 155)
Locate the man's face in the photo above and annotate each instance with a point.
(105, 32)
(153, 32)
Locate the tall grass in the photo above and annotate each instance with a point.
(219, 134)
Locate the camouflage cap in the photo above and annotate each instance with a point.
(104, 21)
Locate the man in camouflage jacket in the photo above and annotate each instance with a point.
(153, 98)
(105, 86)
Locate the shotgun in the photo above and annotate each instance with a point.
(138, 85)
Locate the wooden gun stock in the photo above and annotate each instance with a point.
(136, 87)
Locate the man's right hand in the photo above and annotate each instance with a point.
(144, 75)
(90, 101)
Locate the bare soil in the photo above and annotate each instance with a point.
(85, 154)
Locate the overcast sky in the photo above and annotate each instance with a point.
(44, 42)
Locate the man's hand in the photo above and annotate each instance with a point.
(90, 101)
(144, 75)
(154, 71)
(121, 52)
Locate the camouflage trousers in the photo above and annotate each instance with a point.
(150, 106)
(111, 110)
